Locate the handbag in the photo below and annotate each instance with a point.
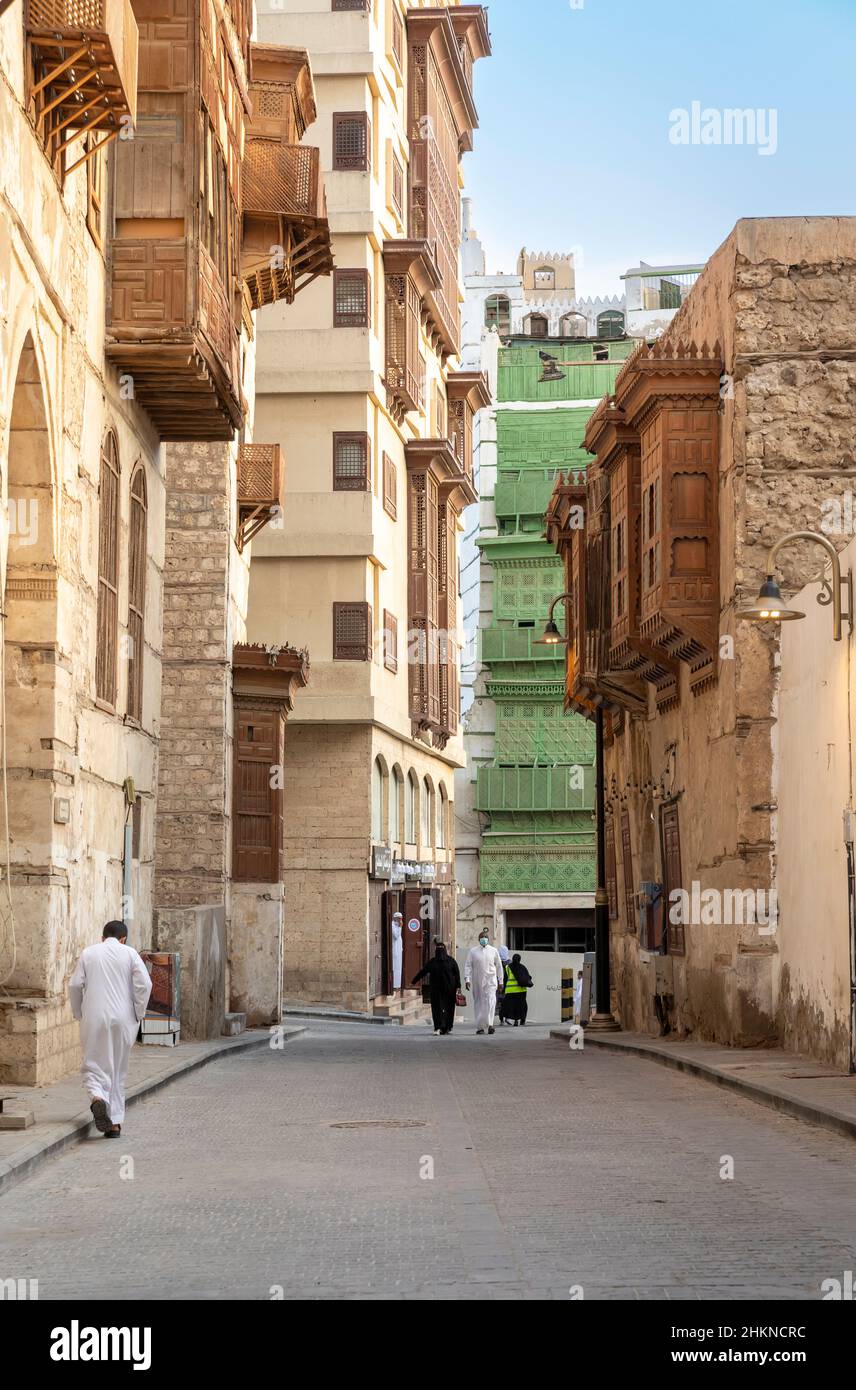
(460, 999)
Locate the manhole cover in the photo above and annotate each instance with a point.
(379, 1124)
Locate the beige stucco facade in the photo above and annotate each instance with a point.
(313, 380)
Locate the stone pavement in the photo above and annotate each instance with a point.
(795, 1085)
(61, 1111)
(308, 1171)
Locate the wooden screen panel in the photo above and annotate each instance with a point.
(108, 572)
(351, 462)
(627, 860)
(390, 641)
(352, 632)
(390, 487)
(423, 520)
(351, 141)
(673, 877)
(256, 794)
(679, 603)
(137, 592)
(351, 299)
(611, 873)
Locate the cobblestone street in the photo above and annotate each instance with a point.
(302, 1168)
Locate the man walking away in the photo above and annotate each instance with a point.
(109, 992)
(444, 981)
(483, 972)
(517, 982)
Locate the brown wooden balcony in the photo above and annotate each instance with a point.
(286, 242)
(412, 278)
(261, 488)
(281, 93)
(82, 75)
(171, 331)
(467, 392)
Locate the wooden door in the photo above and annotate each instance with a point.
(414, 935)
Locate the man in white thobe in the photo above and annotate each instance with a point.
(483, 971)
(109, 992)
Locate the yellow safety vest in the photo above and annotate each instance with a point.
(511, 985)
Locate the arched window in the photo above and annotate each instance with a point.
(108, 572)
(137, 592)
(411, 798)
(442, 817)
(497, 314)
(427, 837)
(545, 278)
(538, 326)
(610, 324)
(377, 801)
(574, 326)
(395, 795)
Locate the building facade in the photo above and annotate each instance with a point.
(525, 833)
(364, 570)
(129, 279)
(733, 431)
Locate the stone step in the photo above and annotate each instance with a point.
(233, 1024)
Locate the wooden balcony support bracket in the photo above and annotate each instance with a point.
(261, 489)
(82, 71)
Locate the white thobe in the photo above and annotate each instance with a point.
(397, 955)
(578, 1000)
(484, 971)
(109, 992)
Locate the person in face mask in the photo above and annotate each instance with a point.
(483, 973)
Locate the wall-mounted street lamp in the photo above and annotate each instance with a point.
(552, 636)
(770, 607)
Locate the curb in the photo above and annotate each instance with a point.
(834, 1120)
(74, 1129)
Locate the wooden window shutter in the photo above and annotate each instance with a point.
(351, 141)
(611, 873)
(108, 572)
(629, 884)
(137, 593)
(390, 487)
(390, 641)
(397, 37)
(351, 299)
(673, 877)
(352, 632)
(351, 462)
(256, 796)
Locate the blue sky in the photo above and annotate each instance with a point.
(573, 149)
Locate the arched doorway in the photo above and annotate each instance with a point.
(29, 652)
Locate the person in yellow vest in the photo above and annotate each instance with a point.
(517, 982)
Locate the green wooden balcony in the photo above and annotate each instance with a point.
(518, 646)
(526, 494)
(536, 789)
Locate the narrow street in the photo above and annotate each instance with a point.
(300, 1170)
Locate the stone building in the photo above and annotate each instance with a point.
(126, 324)
(363, 379)
(734, 430)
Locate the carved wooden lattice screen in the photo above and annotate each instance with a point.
(108, 572)
(423, 600)
(434, 194)
(137, 593)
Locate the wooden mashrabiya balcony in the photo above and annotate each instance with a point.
(286, 242)
(82, 75)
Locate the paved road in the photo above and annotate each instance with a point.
(302, 1169)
